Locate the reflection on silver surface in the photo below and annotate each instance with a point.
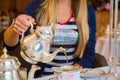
(9, 67)
(37, 46)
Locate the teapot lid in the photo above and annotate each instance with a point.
(8, 62)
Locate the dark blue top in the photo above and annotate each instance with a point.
(89, 53)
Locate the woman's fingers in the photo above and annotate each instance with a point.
(17, 29)
(31, 19)
(21, 23)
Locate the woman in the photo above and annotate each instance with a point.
(74, 30)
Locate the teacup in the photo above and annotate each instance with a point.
(67, 72)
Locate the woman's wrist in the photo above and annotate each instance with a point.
(10, 36)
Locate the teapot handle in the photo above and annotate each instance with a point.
(31, 27)
(31, 30)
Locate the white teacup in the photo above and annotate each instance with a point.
(67, 72)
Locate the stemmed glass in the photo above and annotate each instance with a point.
(114, 33)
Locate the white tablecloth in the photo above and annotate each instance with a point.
(102, 47)
(93, 78)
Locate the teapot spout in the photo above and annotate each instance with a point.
(50, 57)
(33, 69)
(58, 50)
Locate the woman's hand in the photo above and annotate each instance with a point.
(19, 26)
(21, 23)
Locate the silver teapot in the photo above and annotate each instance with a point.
(9, 66)
(36, 46)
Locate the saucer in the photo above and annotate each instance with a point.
(54, 79)
(89, 73)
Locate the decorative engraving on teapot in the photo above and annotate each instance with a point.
(36, 46)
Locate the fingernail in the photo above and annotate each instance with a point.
(35, 22)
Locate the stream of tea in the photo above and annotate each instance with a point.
(66, 57)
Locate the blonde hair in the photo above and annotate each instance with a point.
(48, 13)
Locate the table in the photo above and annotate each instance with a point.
(93, 78)
(102, 47)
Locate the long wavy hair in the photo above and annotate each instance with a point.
(48, 14)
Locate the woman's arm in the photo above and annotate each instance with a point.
(89, 53)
